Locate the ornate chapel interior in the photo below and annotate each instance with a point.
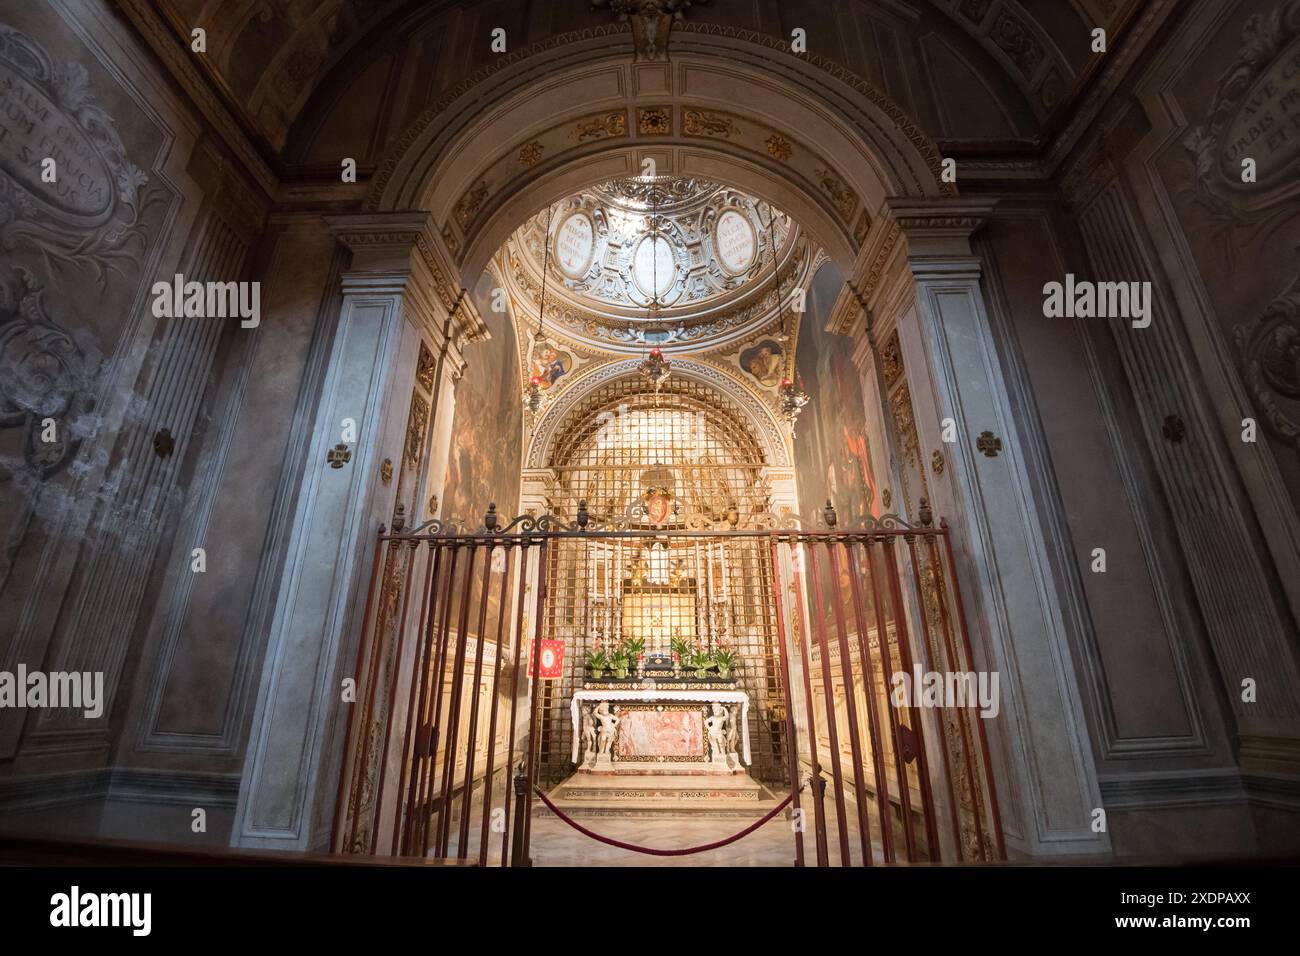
(639, 388)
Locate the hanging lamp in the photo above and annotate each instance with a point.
(793, 398)
(654, 367)
(533, 393)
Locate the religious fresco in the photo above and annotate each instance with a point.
(550, 364)
(765, 361)
(486, 434)
(833, 452)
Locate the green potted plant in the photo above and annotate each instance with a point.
(618, 661)
(634, 647)
(683, 650)
(726, 660)
(597, 663)
(701, 661)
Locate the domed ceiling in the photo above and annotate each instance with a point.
(679, 263)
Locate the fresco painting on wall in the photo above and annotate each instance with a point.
(765, 361)
(486, 432)
(550, 364)
(833, 457)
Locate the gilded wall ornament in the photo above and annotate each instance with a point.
(778, 147)
(891, 360)
(841, 195)
(937, 463)
(470, 203)
(530, 153)
(449, 237)
(604, 126)
(654, 121)
(704, 123)
(415, 429)
(425, 367)
(989, 444)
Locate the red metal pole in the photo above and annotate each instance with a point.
(514, 693)
(792, 739)
(887, 666)
(471, 744)
(873, 718)
(851, 707)
(905, 653)
(819, 811)
(414, 713)
(943, 744)
(828, 689)
(492, 715)
(534, 734)
(453, 713)
(437, 692)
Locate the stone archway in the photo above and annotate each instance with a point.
(805, 135)
(821, 143)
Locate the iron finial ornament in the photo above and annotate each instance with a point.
(490, 520)
(583, 515)
(924, 514)
(829, 514)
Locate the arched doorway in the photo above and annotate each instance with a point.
(858, 176)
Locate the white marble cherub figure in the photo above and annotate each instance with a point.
(716, 727)
(608, 725)
(588, 734)
(733, 730)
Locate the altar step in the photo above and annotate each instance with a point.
(653, 795)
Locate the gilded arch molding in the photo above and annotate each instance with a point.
(760, 417)
(487, 142)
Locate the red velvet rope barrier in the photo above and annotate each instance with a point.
(651, 850)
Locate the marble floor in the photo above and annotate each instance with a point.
(553, 842)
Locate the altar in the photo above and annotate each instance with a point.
(690, 728)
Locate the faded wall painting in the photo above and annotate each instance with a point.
(486, 435)
(833, 452)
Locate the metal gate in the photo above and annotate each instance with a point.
(853, 650)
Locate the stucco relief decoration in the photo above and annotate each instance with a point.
(1270, 353)
(91, 215)
(843, 198)
(1254, 115)
(652, 22)
(470, 203)
(604, 126)
(44, 375)
(654, 121)
(704, 123)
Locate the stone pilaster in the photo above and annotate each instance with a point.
(394, 298)
(929, 278)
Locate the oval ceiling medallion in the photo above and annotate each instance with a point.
(735, 242)
(653, 263)
(575, 245)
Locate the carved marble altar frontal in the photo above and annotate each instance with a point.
(660, 732)
(657, 733)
